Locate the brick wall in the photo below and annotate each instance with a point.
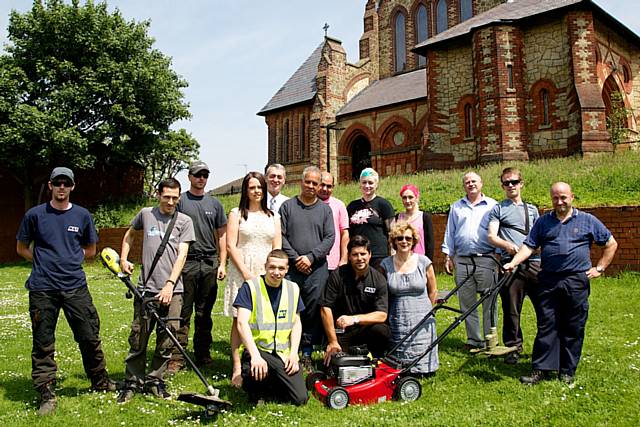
(112, 238)
(623, 222)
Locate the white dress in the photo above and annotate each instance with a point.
(255, 237)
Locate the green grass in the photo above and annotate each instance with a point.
(466, 391)
(603, 180)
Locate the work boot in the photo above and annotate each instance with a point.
(204, 362)
(535, 377)
(512, 358)
(47, 399)
(174, 366)
(567, 379)
(103, 383)
(158, 389)
(127, 392)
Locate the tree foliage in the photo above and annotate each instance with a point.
(79, 83)
(173, 153)
(617, 119)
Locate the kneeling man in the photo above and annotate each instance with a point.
(269, 325)
(354, 304)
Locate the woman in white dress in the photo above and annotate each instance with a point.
(252, 232)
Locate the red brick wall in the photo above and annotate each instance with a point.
(112, 237)
(623, 222)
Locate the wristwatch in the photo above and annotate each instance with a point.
(599, 269)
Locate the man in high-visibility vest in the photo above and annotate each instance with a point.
(269, 325)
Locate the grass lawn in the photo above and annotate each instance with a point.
(467, 390)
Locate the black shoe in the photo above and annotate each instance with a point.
(47, 399)
(567, 379)
(158, 389)
(535, 377)
(204, 362)
(103, 383)
(125, 395)
(306, 363)
(512, 358)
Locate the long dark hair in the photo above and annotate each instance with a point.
(244, 196)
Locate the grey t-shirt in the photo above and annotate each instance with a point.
(153, 223)
(207, 215)
(511, 219)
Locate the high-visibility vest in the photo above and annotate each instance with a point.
(270, 331)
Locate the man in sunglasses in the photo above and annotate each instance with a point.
(63, 235)
(338, 253)
(509, 224)
(205, 265)
(355, 303)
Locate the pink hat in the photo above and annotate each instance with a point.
(411, 188)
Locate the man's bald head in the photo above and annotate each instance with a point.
(562, 199)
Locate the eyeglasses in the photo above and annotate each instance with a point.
(509, 182)
(60, 182)
(201, 175)
(401, 238)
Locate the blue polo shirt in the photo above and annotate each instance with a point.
(566, 246)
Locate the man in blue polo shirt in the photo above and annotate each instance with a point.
(63, 235)
(565, 236)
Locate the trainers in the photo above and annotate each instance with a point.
(535, 377)
(174, 366)
(125, 395)
(512, 358)
(158, 389)
(103, 383)
(47, 399)
(567, 379)
(306, 363)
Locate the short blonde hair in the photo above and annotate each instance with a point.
(398, 229)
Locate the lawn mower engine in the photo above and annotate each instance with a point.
(356, 379)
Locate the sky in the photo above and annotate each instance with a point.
(236, 54)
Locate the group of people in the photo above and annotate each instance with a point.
(308, 272)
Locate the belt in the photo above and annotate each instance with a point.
(200, 257)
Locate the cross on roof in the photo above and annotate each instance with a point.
(325, 28)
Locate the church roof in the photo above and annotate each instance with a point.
(389, 91)
(508, 12)
(300, 87)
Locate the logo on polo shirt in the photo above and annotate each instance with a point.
(370, 290)
(73, 228)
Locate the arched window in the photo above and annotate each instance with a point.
(303, 139)
(626, 74)
(544, 102)
(400, 42)
(466, 10)
(469, 120)
(442, 22)
(422, 30)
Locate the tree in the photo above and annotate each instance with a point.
(79, 83)
(617, 119)
(173, 154)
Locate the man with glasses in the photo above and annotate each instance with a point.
(355, 303)
(63, 235)
(464, 238)
(338, 254)
(205, 265)
(509, 224)
(276, 176)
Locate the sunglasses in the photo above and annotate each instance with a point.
(513, 182)
(60, 182)
(401, 238)
(201, 175)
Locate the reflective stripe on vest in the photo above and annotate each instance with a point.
(267, 329)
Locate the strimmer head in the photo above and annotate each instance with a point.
(111, 260)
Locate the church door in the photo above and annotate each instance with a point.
(360, 156)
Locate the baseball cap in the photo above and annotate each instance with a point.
(62, 171)
(198, 166)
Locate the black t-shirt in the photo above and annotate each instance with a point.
(368, 219)
(346, 295)
(207, 215)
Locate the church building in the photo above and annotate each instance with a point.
(454, 83)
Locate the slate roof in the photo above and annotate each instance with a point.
(389, 91)
(300, 87)
(511, 11)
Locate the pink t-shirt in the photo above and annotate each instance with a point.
(419, 225)
(340, 222)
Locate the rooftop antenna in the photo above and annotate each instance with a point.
(325, 28)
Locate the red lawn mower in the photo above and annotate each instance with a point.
(357, 379)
